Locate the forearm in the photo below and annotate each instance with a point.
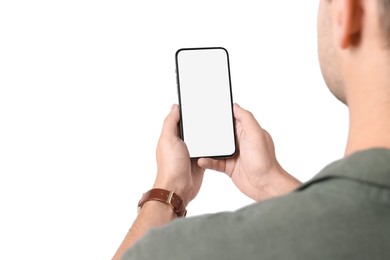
(153, 214)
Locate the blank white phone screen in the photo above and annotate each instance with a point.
(205, 100)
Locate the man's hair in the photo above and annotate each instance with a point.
(384, 19)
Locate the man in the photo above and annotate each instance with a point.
(342, 213)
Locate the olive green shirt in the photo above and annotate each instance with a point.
(342, 213)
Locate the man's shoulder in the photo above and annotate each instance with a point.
(322, 221)
(343, 213)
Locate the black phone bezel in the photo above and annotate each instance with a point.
(231, 100)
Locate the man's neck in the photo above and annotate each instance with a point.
(369, 108)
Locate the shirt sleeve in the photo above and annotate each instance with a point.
(203, 237)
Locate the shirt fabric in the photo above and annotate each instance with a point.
(342, 213)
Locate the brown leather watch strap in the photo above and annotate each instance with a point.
(167, 197)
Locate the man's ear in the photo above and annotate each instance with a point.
(349, 22)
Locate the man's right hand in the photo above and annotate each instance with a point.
(254, 170)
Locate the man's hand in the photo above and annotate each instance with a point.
(255, 170)
(176, 172)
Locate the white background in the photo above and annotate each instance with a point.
(85, 86)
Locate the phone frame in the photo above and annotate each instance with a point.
(231, 100)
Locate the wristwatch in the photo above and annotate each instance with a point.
(168, 197)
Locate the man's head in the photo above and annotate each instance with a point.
(350, 33)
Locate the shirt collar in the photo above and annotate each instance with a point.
(369, 166)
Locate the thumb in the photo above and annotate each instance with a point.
(171, 121)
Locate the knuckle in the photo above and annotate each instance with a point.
(167, 120)
(249, 114)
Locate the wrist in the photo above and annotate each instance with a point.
(182, 192)
(282, 181)
(163, 196)
(276, 182)
(152, 206)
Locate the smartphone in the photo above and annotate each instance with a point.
(206, 102)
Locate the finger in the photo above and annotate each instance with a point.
(171, 121)
(212, 164)
(245, 117)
